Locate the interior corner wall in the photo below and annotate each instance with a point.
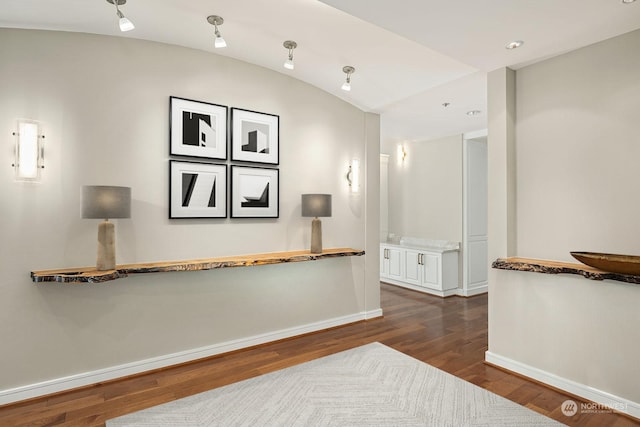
(425, 189)
(576, 138)
(372, 204)
(104, 106)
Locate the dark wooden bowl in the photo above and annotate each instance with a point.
(622, 264)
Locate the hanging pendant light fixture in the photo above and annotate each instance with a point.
(216, 20)
(125, 24)
(348, 70)
(290, 45)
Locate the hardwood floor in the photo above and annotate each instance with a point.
(450, 334)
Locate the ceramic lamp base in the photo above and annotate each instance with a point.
(106, 246)
(316, 236)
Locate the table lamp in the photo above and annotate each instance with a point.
(316, 205)
(102, 201)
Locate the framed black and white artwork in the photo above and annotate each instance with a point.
(197, 190)
(254, 192)
(255, 136)
(197, 129)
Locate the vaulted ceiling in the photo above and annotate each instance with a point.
(411, 56)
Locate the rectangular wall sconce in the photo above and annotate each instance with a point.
(401, 153)
(353, 176)
(29, 151)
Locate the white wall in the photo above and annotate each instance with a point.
(425, 190)
(577, 119)
(576, 176)
(103, 102)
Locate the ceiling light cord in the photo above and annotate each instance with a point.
(118, 13)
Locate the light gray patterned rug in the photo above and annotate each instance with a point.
(372, 385)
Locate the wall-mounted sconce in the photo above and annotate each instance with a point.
(353, 176)
(402, 154)
(316, 205)
(29, 151)
(104, 202)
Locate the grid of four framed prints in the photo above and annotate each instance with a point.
(198, 189)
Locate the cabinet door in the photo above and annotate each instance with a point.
(384, 265)
(412, 267)
(395, 258)
(431, 271)
(384, 262)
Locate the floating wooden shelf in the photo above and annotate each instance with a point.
(91, 275)
(557, 267)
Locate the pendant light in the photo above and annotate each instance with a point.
(216, 20)
(290, 45)
(348, 70)
(125, 24)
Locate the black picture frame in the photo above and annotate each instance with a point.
(197, 190)
(197, 128)
(255, 136)
(255, 192)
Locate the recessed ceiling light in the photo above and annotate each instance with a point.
(514, 44)
(473, 112)
(628, 1)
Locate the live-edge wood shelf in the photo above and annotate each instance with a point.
(91, 275)
(557, 267)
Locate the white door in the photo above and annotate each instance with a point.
(475, 245)
(384, 197)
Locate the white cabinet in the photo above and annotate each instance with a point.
(412, 267)
(391, 263)
(422, 268)
(432, 277)
(419, 269)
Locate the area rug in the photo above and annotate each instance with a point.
(372, 385)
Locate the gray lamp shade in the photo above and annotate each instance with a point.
(316, 205)
(103, 201)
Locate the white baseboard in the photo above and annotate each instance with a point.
(373, 314)
(607, 400)
(449, 292)
(482, 289)
(87, 378)
(422, 289)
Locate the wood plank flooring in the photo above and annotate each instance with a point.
(450, 334)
